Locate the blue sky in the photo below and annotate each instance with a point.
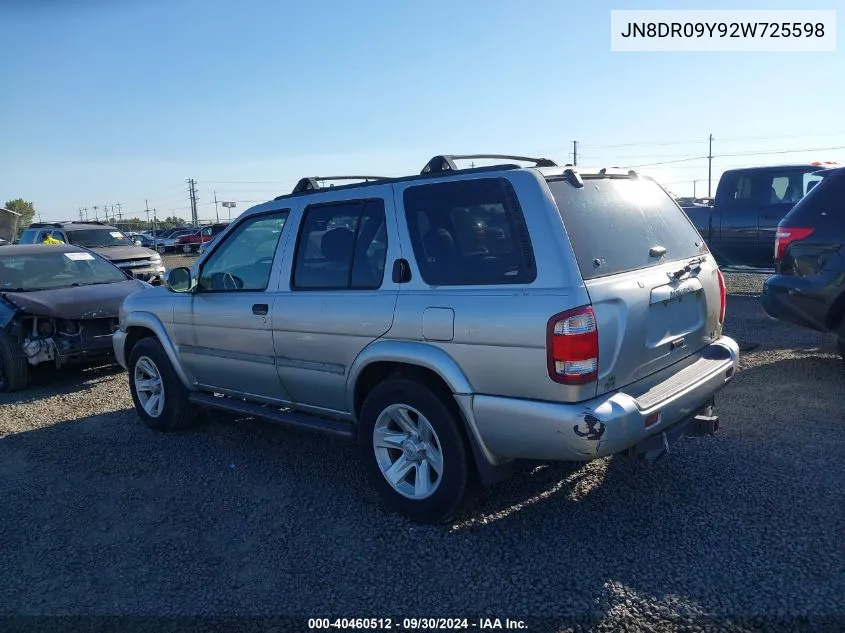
(108, 102)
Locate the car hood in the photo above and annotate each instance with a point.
(80, 302)
(124, 252)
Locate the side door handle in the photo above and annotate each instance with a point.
(260, 309)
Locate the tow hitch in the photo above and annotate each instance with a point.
(703, 425)
(656, 446)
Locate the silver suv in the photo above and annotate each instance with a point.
(449, 322)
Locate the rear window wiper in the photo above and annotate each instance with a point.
(693, 266)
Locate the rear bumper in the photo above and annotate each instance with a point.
(784, 298)
(613, 423)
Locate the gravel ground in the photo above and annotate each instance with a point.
(101, 516)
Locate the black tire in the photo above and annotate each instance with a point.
(454, 484)
(14, 368)
(178, 413)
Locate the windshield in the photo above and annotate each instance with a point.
(43, 271)
(98, 238)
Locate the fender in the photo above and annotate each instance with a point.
(149, 321)
(430, 357)
(409, 352)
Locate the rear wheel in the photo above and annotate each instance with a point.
(160, 398)
(14, 369)
(187, 248)
(414, 451)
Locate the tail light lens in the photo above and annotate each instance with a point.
(723, 297)
(572, 347)
(785, 236)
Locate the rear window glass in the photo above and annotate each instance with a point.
(613, 223)
(28, 236)
(827, 196)
(469, 232)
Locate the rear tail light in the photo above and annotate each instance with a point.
(723, 296)
(572, 347)
(785, 236)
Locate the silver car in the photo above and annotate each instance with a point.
(450, 323)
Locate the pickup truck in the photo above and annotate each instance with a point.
(750, 202)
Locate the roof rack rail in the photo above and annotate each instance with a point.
(312, 184)
(88, 222)
(446, 162)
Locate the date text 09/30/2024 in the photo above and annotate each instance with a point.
(416, 624)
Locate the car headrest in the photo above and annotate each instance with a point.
(336, 245)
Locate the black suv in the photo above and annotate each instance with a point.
(108, 241)
(808, 288)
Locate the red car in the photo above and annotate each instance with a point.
(191, 242)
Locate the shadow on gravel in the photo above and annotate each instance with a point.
(48, 381)
(102, 515)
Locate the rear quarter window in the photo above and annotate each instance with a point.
(613, 223)
(469, 232)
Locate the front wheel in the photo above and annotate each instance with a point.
(14, 368)
(414, 451)
(160, 398)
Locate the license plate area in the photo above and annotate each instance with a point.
(676, 310)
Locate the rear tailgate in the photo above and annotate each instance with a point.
(654, 287)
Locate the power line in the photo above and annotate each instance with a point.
(785, 151)
(669, 162)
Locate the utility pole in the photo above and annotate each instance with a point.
(575, 153)
(85, 209)
(147, 205)
(710, 168)
(215, 207)
(694, 183)
(80, 214)
(95, 213)
(119, 214)
(192, 192)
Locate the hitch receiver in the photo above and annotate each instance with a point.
(702, 425)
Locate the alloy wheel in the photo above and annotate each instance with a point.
(149, 387)
(408, 451)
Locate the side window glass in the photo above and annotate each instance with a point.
(244, 261)
(469, 232)
(744, 190)
(341, 246)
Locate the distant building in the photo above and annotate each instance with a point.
(9, 224)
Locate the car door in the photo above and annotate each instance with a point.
(737, 234)
(229, 348)
(339, 299)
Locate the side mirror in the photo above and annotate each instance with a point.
(180, 280)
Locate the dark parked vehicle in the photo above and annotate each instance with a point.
(808, 288)
(58, 304)
(750, 203)
(105, 240)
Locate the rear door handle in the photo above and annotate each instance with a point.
(260, 309)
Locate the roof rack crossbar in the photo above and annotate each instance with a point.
(446, 162)
(313, 183)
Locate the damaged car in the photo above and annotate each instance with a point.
(59, 306)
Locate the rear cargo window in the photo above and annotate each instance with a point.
(613, 223)
(827, 196)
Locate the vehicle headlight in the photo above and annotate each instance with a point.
(156, 258)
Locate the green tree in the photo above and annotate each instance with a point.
(26, 210)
